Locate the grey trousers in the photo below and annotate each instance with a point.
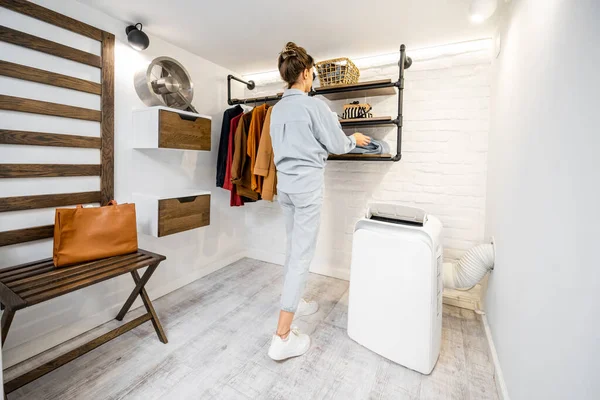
(302, 212)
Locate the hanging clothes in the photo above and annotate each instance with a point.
(241, 175)
(224, 142)
(256, 125)
(265, 161)
(234, 200)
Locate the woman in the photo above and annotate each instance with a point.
(303, 131)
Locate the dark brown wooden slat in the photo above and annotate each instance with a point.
(372, 119)
(52, 17)
(358, 85)
(42, 370)
(21, 104)
(80, 284)
(72, 277)
(9, 274)
(26, 235)
(107, 127)
(139, 285)
(47, 201)
(160, 332)
(49, 78)
(8, 136)
(58, 274)
(7, 319)
(10, 299)
(48, 170)
(34, 272)
(4, 272)
(32, 269)
(23, 39)
(357, 156)
(157, 257)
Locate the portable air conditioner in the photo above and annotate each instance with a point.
(395, 304)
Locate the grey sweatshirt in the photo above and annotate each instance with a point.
(303, 131)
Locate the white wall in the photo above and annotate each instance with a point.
(190, 255)
(543, 197)
(444, 157)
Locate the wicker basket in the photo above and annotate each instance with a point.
(338, 71)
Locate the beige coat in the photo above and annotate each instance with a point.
(265, 161)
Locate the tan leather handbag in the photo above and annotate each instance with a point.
(87, 234)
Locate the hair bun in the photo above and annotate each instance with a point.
(290, 46)
(289, 50)
(289, 53)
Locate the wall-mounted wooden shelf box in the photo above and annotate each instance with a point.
(159, 215)
(168, 128)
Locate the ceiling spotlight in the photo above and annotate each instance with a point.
(482, 10)
(136, 38)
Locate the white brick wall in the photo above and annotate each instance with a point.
(443, 166)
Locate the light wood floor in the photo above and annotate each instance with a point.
(219, 329)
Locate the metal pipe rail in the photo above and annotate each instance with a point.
(404, 63)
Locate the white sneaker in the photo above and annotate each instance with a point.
(294, 345)
(306, 308)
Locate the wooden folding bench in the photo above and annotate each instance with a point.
(33, 283)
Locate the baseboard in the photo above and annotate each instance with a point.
(498, 376)
(317, 267)
(266, 256)
(24, 351)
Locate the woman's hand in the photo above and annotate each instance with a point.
(361, 140)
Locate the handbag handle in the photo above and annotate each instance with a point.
(110, 203)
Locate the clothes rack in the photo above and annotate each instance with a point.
(363, 89)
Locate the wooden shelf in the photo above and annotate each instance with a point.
(342, 157)
(160, 215)
(167, 128)
(367, 121)
(259, 100)
(383, 87)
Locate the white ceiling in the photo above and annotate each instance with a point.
(246, 36)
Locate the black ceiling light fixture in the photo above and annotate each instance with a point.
(136, 38)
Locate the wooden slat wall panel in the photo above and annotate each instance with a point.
(107, 127)
(26, 235)
(52, 17)
(49, 78)
(43, 107)
(106, 116)
(8, 136)
(48, 170)
(9, 35)
(47, 200)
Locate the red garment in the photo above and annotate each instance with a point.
(235, 200)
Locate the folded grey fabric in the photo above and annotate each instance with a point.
(375, 147)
